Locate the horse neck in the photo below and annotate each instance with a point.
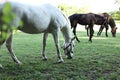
(66, 31)
(112, 23)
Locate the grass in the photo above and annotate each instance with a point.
(99, 60)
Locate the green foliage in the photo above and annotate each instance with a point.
(117, 1)
(115, 15)
(72, 9)
(6, 19)
(7, 16)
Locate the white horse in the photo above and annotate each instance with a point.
(39, 19)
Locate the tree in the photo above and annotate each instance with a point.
(115, 15)
(73, 9)
(117, 2)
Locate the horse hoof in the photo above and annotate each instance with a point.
(69, 57)
(90, 41)
(19, 63)
(44, 59)
(1, 67)
(61, 61)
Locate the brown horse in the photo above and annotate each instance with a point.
(87, 19)
(111, 22)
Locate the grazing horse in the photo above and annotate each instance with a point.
(87, 19)
(111, 22)
(39, 19)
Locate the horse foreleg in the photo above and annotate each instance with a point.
(106, 31)
(56, 39)
(45, 35)
(87, 28)
(74, 31)
(100, 30)
(9, 47)
(91, 33)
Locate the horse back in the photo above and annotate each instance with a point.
(86, 19)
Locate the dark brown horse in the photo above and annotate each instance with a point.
(111, 23)
(87, 19)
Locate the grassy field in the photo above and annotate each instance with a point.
(99, 60)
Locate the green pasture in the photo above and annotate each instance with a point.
(99, 60)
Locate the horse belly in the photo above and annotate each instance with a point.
(35, 25)
(32, 29)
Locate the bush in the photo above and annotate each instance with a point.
(115, 15)
(72, 9)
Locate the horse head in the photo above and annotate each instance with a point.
(68, 48)
(113, 26)
(113, 31)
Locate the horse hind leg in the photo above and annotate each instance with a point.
(9, 47)
(45, 35)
